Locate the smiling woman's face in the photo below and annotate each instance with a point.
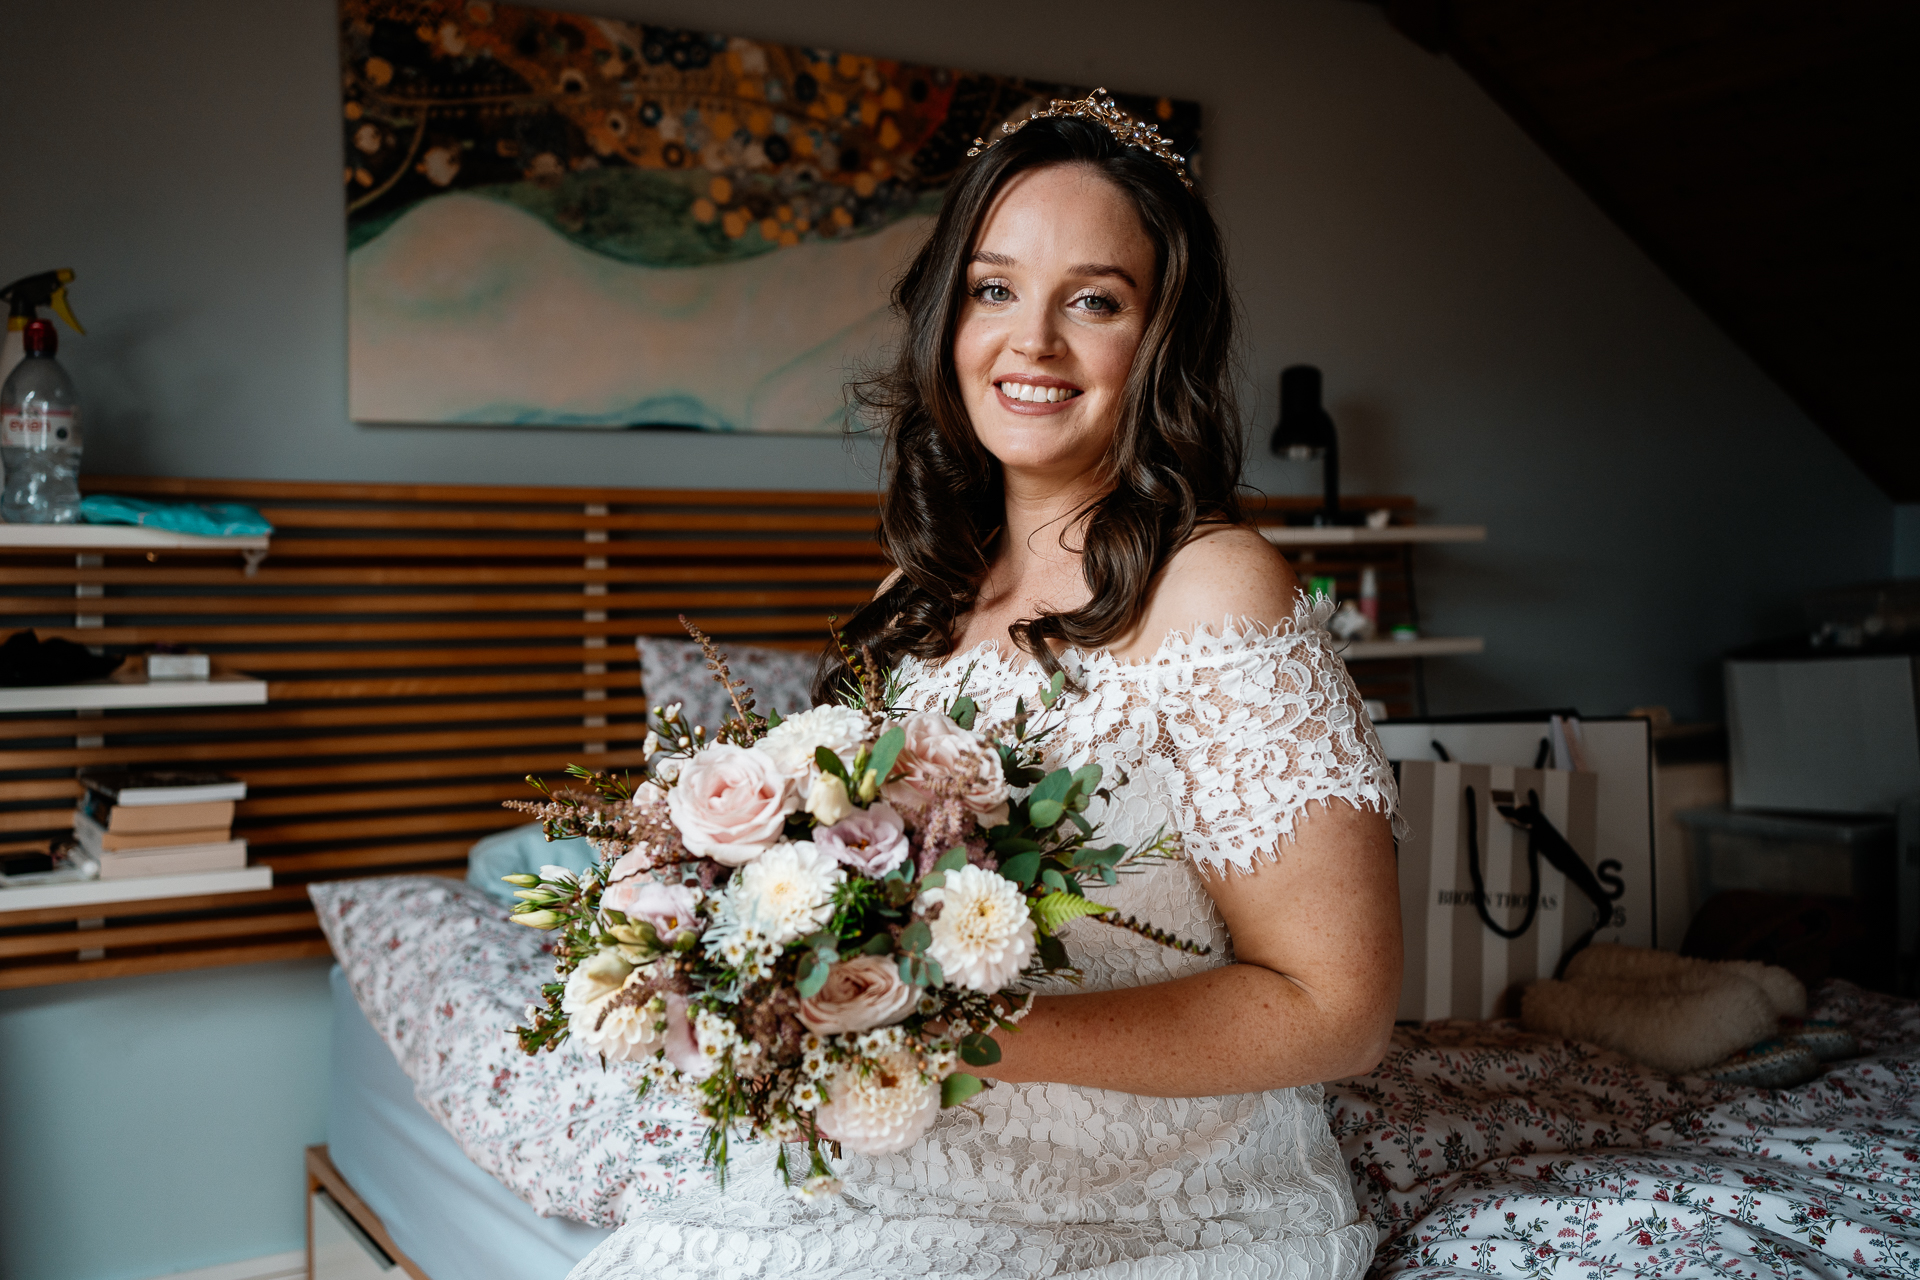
(1058, 291)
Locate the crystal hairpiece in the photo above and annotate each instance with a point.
(1103, 111)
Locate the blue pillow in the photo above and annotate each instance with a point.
(522, 851)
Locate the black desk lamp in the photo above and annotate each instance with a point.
(1305, 431)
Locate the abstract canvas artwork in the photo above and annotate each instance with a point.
(564, 221)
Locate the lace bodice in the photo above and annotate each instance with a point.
(1225, 739)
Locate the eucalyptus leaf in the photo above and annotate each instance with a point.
(979, 1050)
(1053, 879)
(810, 976)
(829, 762)
(963, 711)
(957, 1088)
(1044, 813)
(886, 751)
(952, 860)
(1022, 867)
(878, 945)
(916, 937)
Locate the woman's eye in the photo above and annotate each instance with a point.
(1097, 303)
(992, 291)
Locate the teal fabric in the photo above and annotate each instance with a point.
(521, 851)
(208, 519)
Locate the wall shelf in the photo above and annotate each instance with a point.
(116, 692)
(117, 537)
(1425, 647)
(87, 893)
(1287, 535)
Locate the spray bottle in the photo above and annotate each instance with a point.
(24, 298)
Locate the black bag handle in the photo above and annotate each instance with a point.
(1542, 838)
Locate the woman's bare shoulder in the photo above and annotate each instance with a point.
(1224, 571)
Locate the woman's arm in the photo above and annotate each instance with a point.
(1316, 931)
(1310, 996)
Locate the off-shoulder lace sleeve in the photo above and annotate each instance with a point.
(1255, 724)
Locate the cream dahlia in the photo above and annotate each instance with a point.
(882, 1111)
(793, 741)
(608, 1015)
(983, 935)
(785, 893)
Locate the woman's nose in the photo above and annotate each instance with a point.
(1038, 336)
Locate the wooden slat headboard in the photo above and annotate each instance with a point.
(426, 647)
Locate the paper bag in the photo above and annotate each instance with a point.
(1458, 963)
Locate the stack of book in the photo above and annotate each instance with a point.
(155, 823)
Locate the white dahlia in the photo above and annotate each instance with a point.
(983, 935)
(792, 742)
(785, 893)
(882, 1111)
(620, 1028)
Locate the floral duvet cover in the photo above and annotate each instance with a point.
(1478, 1148)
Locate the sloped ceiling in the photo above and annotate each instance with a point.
(1763, 152)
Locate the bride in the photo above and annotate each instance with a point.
(1063, 460)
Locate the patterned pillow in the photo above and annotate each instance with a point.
(443, 976)
(676, 671)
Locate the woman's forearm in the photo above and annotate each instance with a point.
(1236, 1029)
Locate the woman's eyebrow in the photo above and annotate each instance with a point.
(1103, 269)
(994, 259)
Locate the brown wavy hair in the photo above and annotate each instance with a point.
(1175, 460)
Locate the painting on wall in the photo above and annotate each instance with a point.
(564, 221)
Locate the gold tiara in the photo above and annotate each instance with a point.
(1103, 111)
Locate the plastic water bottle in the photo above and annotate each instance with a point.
(40, 435)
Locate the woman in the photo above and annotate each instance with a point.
(1063, 461)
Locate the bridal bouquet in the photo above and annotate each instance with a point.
(810, 925)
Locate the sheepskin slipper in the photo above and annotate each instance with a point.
(1678, 1024)
(1610, 960)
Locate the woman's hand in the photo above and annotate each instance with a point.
(1310, 997)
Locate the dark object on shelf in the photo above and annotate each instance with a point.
(25, 862)
(1305, 430)
(1873, 616)
(25, 659)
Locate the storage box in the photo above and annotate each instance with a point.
(1850, 860)
(1813, 734)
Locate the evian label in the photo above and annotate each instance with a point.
(40, 429)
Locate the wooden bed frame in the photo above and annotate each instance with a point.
(426, 647)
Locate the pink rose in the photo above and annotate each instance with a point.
(730, 803)
(669, 908)
(938, 750)
(871, 841)
(861, 993)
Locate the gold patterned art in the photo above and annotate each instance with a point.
(559, 220)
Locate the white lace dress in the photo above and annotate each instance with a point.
(1226, 740)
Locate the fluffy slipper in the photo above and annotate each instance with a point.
(1606, 960)
(1678, 1024)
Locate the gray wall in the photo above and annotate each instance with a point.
(1491, 344)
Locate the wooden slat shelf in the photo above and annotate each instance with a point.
(423, 648)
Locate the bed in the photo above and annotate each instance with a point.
(1477, 1148)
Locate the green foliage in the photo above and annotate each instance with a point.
(958, 1087)
(979, 1050)
(1055, 909)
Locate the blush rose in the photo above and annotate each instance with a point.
(730, 803)
(938, 750)
(861, 994)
